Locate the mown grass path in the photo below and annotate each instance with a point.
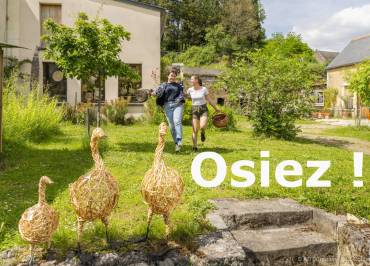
(129, 153)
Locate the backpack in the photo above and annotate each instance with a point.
(160, 93)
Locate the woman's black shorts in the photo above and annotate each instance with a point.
(199, 110)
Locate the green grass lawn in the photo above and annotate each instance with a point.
(362, 133)
(128, 154)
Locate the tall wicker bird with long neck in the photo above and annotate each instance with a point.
(95, 194)
(39, 222)
(162, 186)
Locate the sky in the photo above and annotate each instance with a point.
(323, 24)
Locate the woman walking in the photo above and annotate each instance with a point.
(199, 96)
(170, 95)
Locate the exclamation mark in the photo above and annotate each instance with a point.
(358, 158)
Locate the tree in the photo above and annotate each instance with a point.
(289, 46)
(359, 82)
(276, 91)
(243, 19)
(89, 49)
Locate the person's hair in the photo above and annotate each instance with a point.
(173, 71)
(198, 79)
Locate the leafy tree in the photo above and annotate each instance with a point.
(289, 46)
(243, 19)
(275, 91)
(359, 82)
(88, 49)
(224, 43)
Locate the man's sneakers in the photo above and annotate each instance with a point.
(178, 146)
(203, 136)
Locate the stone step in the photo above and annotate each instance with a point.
(252, 214)
(297, 245)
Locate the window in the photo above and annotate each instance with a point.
(55, 84)
(90, 91)
(221, 101)
(49, 11)
(319, 98)
(128, 88)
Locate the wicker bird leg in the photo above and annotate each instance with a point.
(31, 260)
(80, 225)
(105, 221)
(149, 221)
(166, 218)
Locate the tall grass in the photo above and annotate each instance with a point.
(28, 114)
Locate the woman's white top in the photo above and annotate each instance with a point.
(198, 97)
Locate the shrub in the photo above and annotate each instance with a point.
(29, 115)
(154, 113)
(115, 111)
(277, 91)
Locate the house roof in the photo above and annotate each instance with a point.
(355, 52)
(201, 71)
(144, 5)
(325, 56)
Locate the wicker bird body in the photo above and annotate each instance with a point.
(162, 186)
(39, 222)
(95, 194)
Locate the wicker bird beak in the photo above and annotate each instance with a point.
(46, 180)
(98, 133)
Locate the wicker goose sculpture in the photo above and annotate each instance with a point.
(39, 222)
(95, 194)
(162, 186)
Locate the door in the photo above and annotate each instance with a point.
(55, 84)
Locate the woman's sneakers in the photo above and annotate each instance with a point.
(203, 136)
(195, 149)
(178, 148)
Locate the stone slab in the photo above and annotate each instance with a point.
(287, 246)
(261, 213)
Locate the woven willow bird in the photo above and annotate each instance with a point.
(95, 194)
(162, 186)
(39, 222)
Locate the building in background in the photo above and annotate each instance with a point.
(325, 58)
(21, 24)
(338, 70)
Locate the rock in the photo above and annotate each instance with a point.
(135, 258)
(109, 259)
(354, 243)
(219, 248)
(49, 263)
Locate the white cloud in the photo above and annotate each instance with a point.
(335, 31)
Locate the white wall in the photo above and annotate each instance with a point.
(142, 23)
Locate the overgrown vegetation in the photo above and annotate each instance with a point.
(28, 115)
(273, 85)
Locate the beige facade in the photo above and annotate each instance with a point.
(337, 78)
(143, 22)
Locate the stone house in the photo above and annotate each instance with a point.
(354, 53)
(325, 58)
(21, 24)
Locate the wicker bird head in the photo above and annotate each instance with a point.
(46, 180)
(162, 129)
(98, 133)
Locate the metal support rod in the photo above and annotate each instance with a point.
(1, 97)
(99, 96)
